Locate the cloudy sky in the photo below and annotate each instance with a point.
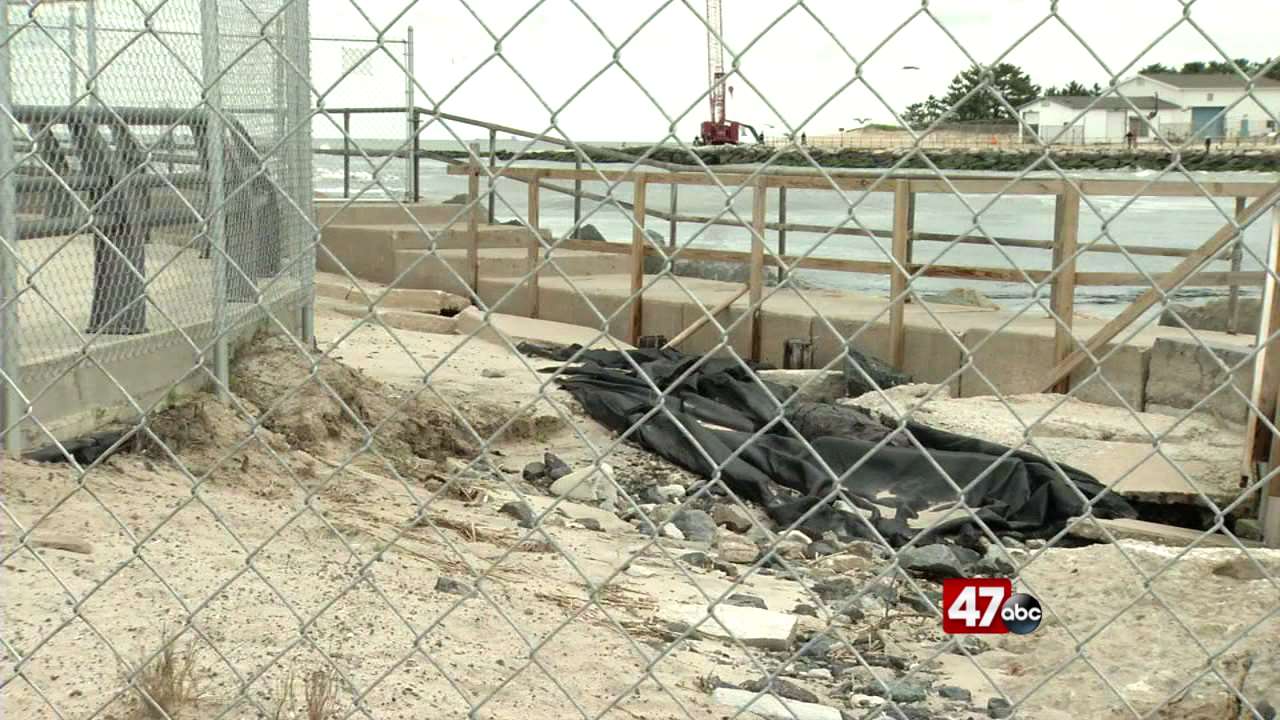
(791, 63)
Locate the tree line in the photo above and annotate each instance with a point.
(962, 103)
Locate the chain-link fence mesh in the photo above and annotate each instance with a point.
(441, 415)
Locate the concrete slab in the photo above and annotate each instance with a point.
(751, 626)
(399, 319)
(346, 212)
(773, 707)
(365, 293)
(1152, 478)
(495, 327)
(1183, 372)
(1125, 529)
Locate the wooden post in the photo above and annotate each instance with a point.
(493, 166)
(675, 207)
(1259, 441)
(1233, 293)
(638, 241)
(346, 154)
(577, 193)
(473, 221)
(535, 247)
(902, 228)
(1066, 233)
(1146, 300)
(759, 206)
(782, 229)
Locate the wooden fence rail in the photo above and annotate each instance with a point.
(1063, 279)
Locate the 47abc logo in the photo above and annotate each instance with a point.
(982, 605)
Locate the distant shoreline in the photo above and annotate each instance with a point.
(1254, 158)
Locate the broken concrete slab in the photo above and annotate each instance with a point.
(772, 706)
(502, 329)
(809, 385)
(589, 484)
(752, 627)
(398, 319)
(1183, 372)
(1126, 529)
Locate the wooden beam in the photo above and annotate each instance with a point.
(867, 180)
(1266, 375)
(473, 221)
(696, 325)
(902, 226)
(872, 267)
(638, 248)
(1237, 257)
(1066, 231)
(535, 247)
(1148, 299)
(1266, 393)
(755, 280)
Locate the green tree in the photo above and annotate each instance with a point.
(1074, 88)
(1157, 68)
(1005, 80)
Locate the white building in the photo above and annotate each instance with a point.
(1179, 105)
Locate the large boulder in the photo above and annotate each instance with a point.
(589, 232)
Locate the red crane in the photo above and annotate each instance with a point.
(717, 130)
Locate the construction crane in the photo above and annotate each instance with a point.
(717, 130)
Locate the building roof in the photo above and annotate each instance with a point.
(1207, 81)
(1110, 102)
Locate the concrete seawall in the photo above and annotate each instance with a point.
(974, 351)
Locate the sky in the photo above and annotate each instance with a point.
(797, 62)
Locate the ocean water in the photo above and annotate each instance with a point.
(1177, 222)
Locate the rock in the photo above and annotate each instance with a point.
(591, 524)
(822, 386)
(886, 661)
(534, 471)
(731, 516)
(937, 561)
(752, 627)
(999, 708)
(994, 562)
(589, 232)
(818, 674)
(835, 589)
(459, 199)
(520, 511)
(656, 237)
(453, 586)
(1264, 710)
(737, 551)
(772, 707)
(492, 373)
(555, 467)
(670, 493)
(781, 688)
(902, 692)
(1248, 529)
(590, 484)
(962, 296)
(921, 604)
(818, 549)
(697, 559)
(696, 525)
(1213, 315)
(868, 550)
(975, 645)
(819, 646)
(671, 532)
(746, 600)
(951, 692)
(1247, 568)
(805, 610)
(847, 563)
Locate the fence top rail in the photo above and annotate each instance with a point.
(886, 182)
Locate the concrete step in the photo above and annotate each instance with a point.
(343, 212)
(501, 329)
(433, 269)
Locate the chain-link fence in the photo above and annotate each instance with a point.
(522, 449)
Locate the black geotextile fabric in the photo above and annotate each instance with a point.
(719, 405)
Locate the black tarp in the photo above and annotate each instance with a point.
(720, 405)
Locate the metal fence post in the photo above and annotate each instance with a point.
(411, 131)
(10, 360)
(215, 209)
(73, 50)
(91, 48)
(300, 118)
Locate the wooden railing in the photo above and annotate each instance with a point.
(1063, 278)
